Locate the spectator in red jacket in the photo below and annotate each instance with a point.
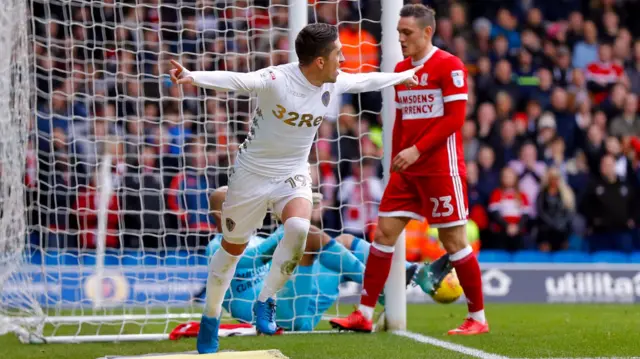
(509, 211)
(87, 210)
(602, 74)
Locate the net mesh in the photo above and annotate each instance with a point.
(101, 91)
(17, 297)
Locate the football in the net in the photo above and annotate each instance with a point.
(449, 290)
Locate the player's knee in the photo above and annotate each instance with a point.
(388, 230)
(299, 227)
(454, 238)
(235, 246)
(384, 237)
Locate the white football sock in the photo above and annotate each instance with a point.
(222, 266)
(366, 311)
(286, 256)
(478, 316)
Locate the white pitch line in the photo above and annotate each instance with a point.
(448, 345)
(471, 351)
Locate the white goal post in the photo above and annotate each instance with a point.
(102, 203)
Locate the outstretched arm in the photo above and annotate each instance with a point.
(374, 81)
(222, 80)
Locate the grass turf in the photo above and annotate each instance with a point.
(517, 331)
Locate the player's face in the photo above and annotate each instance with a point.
(413, 38)
(332, 62)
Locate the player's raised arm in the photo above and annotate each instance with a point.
(221, 80)
(374, 81)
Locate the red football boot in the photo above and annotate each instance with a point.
(355, 322)
(470, 327)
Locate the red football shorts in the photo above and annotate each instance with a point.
(441, 200)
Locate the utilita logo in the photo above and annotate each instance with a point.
(597, 287)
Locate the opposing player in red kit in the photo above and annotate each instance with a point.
(428, 175)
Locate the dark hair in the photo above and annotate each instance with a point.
(315, 40)
(425, 16)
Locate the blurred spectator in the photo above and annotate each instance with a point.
(87, 208)
(546, 133)
(458, 15)
(578, 173)
(529, 171)
(613, 105)
(507, 147)
(628, 123)
(566, 125)
(470, 140)
(477, 198)
(555, 156)
(506, 26)
(188, 195)
(610, 208)
(633, 68)
(602, 74)
(504, 82)
(179, 131)
(623, 166)
(444, 36)
(575, 28)
(542, 93)
(143, 201)
(488, 175)
(586, 51)
(562, 69)
(509, 212)
(359, 48)
(555, 205)
(359, 195)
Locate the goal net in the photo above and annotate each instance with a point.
(120, 162)
(19, 309)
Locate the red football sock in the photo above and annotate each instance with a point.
(375, 275)
(468, 271)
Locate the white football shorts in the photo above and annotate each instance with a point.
(250, 195)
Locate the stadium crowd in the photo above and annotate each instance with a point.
(552, 138)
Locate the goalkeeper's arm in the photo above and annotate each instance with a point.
(220, 80)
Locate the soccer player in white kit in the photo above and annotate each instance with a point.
(271, 169)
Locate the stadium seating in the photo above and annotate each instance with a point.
(609, 257)
(531, 257)
(571, 257)
(634, 257)
(494, 256)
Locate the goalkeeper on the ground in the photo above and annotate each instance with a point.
(314, 287)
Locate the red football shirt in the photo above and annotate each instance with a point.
(510, 204)
(442, 79)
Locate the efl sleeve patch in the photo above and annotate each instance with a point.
(458, 78)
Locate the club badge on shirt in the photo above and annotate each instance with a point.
(423, 79)
(230, 224)
(326, 97)
(458, 78)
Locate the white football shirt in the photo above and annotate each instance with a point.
(290, 110)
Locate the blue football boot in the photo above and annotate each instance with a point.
(265, 316)
(208, 335)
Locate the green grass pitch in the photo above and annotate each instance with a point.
(517, 331)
